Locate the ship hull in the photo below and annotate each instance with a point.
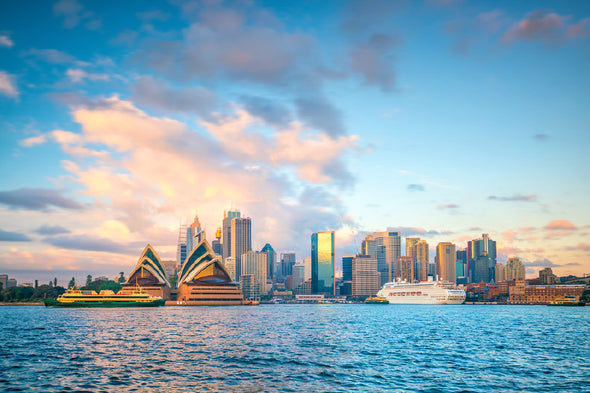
(421, 293)
(103, 304)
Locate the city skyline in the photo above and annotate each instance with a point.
(439, 120)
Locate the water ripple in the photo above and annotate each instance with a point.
(294, 348)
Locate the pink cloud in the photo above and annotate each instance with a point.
(539, 25)
(560, 225)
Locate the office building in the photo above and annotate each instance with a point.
(514, 269)
(230, 267)
(241, 240)
(483, 246)
(194, 234)
(287, 262)
(461, 269)
(500, 272)
(445, 262)
(3, 281)
(366, 280)
(181, 251)
(483, 269)
(374, 247)
(347, 267)
(307, 264)
(405, 268)
(418, 249)
(547, 277)
(272, 256)
(228, 216)
(322, 263)
(216, 244)
(298, 274)
(255, 263)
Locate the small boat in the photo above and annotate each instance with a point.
(81, 298)
(376, 300)
(566, 301)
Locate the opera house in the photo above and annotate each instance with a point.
(202, 280)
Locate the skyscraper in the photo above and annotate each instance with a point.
(445, 261)
(287, 262)
(500, 272)
(391, 240)
(255, 263)
(365, 277)
(322, 263)
(228, 215)
(194, 234)
(418, 249)
(405, 268)
(461, 269)
(514, 269)
(241, 240)
(216, 244)
(272, 255)
(181, 252)
(483, 246)
(347, 267)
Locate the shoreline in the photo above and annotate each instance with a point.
(21, 304)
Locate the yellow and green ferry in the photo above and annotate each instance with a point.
(81, 298)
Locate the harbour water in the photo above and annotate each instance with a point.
(296, 348)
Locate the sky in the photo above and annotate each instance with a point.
(441, 119)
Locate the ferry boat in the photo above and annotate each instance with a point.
(425, 292)
(566, 301)
(81, 298)
(376, 300)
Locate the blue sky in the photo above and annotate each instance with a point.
(443, 119)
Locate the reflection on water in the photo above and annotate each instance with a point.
(296, 348)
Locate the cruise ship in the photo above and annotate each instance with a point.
(426, 292)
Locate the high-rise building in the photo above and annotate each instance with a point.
(194, 234)
(272, 256)
(347, 267)
(3, 281)
(228, 216)
(322, 263)
(445, 261)
(418, 249)
(298, 274)
(256, 263)
(483, 246)
(461, 269)
(514, 269)
(230, 266)
(391, 240)
(500, 272)
(483, 269)
(241, 240)
(405, 268)
(307, 264)
(286, 266)
(365, 277)
(216, 244)
(181, 251)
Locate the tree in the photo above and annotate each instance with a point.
(173, 280)
(88, 280)
(55, 281)
(72, 283)
(121, 278)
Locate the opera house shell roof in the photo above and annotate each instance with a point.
(149, 270)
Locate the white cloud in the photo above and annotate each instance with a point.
(5, 41)
(32, 141)
(7, 85)
(78, 75)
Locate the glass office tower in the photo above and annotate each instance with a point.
(322, 263)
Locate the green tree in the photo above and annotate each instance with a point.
(110, 285)
(88, 280)
(72, 283)
(121, 278)
(55, 281)
(173, 280)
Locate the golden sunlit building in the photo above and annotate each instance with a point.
(149, 273)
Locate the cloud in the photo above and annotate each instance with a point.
(579, 247)
(13, 237)
(73, 13)
(271, 111)
(542, 263)
(541, 137)
(447, 206)
(514, 198)
(51, 230)
(319, 113)
(34, 140)
(90, 243)
(540, 25)
(52, 56)
(6, 42)
(415, 187)
(417, 231)
(560, 225)
(580, 30)
(7, 85)
(37, 199)
(373, 60)
(78, 75)
(160, 95)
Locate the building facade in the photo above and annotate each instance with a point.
(514, 269)
(445, 261)
(322, 263)
(255, 263)
(272, 257)
(241, 240)
(366, 280)
(228, 216)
